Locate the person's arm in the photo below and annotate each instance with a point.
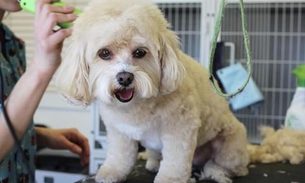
(26, 95)
(69, 139)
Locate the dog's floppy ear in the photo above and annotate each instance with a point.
(173, 71)
(72, 77)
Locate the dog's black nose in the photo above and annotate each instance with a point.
(124, 78)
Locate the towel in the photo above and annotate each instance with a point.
(232, 78)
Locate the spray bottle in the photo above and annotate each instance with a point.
(295, 117)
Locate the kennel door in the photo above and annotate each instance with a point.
(277, 36)
(193, 20)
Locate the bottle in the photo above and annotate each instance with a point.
(295, 117)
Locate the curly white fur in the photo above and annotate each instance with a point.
(173, 109)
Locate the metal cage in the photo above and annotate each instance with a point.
(277, 35)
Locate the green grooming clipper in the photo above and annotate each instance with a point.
(30, 6)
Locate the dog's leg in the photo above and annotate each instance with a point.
(232, 157)
(177, 154)
(120, 159)
(153, 160)
(215, 172)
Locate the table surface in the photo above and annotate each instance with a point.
(258, 173)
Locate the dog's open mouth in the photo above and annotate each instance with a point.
(124, 95)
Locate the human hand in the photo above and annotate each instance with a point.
(48, 43)
(70, 139)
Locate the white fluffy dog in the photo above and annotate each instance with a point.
(150, 92)
(279, 146)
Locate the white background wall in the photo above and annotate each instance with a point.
(55, 112)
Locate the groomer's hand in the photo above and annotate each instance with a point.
(70, 139)
(48, 43)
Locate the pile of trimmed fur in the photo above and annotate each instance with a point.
(281, 145)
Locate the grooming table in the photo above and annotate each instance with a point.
(258, 173)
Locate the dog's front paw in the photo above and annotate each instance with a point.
(215, 172)
(219, 178)
(168, 179)
(109, 175)
(152, 165)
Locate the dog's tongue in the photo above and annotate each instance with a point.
(125, 94)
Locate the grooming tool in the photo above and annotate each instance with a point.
(30, 6)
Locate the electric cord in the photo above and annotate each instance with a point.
(12, 131)
(214, 44)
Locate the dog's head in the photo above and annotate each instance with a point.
(121, 50)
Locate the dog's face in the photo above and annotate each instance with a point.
(121, 50)
(125, 69)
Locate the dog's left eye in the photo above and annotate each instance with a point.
(104, 54)
(139, 53)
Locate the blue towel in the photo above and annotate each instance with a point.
(232, 78)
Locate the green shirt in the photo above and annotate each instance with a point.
(13, 64)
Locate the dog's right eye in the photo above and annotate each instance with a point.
(105, 54)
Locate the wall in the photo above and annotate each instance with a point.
(55, 112)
